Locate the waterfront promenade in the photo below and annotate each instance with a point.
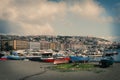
(28, 70)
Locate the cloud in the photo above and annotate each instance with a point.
(37, 17)
(90, 10)
(29, 16)
(41, 29)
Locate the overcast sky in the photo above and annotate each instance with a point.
(99, 18)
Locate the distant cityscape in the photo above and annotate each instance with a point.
(80, 44)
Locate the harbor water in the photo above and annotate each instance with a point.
(117, 57)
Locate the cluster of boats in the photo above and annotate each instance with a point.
(45, 57)
(57, 58)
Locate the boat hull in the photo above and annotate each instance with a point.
(3, 58)
(106, 62)
(34, 58)
(61, 60)
(78, 59)
(15, 58)
(47, 60)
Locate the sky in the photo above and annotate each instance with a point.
(97, 18)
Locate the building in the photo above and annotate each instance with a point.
(34, 45)
(14, 44)
(62, 46)
(20, 44)
(104, 42)
(77, 45)
(55, 45)
(44, 45)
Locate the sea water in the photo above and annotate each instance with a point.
(117, 57)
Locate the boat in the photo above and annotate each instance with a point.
(54, 58)
(107, 60)
(61, 60)
(2, 57)
(47, 57)
(34, 58)
(15, 57)
(79, 59)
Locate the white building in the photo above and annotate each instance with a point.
(34, 45)
(104, 42)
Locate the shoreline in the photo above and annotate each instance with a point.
(30, 70)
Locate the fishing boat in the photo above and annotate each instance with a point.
(61, 60)
(2, 57)
(107, 59)
(79, 59)
(54, 58)
(33, 56)
(14, 57)
(47, 57)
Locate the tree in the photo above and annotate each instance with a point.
(8, 47)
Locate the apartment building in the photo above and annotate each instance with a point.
(14, 44)
(44, 45)
(55, 45)
(34, 45)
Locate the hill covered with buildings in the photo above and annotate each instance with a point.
(81, 44)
